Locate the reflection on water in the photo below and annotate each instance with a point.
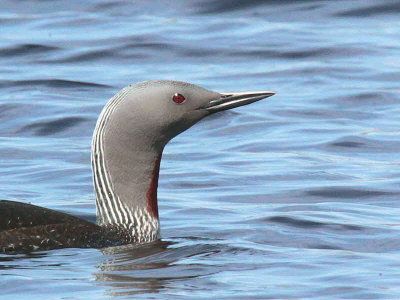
(129, 270)
(293, 197)
(132, 269)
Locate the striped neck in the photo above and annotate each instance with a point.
(125, 180)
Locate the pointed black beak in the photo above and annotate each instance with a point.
(232, 100)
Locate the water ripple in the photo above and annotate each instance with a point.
(52, 127)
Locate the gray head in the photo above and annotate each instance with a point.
(159, 110)
(128, 141)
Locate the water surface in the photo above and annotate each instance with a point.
(294, 197)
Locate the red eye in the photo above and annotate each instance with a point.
(178, 98)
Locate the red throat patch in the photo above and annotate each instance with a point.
(151, 194)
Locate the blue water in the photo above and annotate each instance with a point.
(294, 197)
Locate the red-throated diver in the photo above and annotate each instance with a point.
(130, 135)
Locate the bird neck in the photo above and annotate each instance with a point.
(125, 176)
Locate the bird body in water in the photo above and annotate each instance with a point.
(128, 141)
